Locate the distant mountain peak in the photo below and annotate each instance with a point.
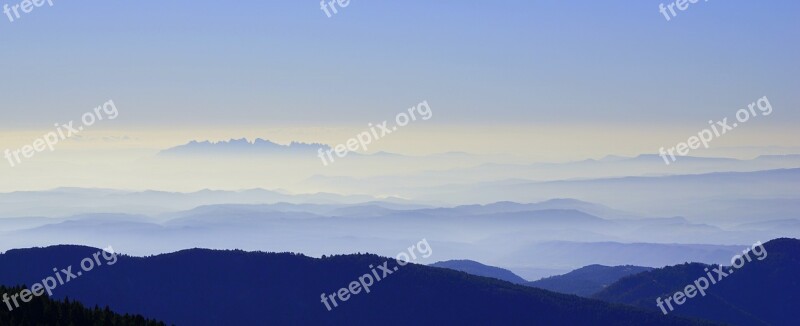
(243, 146)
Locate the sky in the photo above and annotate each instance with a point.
(592, 78)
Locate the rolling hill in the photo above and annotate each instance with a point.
(45, 311)
(254, 288)
(476, 268)
(761, 292)
(588, 280)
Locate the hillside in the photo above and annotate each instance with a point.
(476, 268)
(254, 288)
(44, 311)
(762, 292)
(588, 280)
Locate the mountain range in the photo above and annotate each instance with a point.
(242, 147)
(588, 280)
(249, 288)
(42, 310)
(476, 268)
(761, 292)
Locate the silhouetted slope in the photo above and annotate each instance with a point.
(476, 268)
(207, 287)
(44, 311)
(241, 147)
(588, 280)
(765, 292)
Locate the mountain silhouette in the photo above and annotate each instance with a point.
(761, 292)
(587, 280)
(42, 310)
(215, 287)
(242, 146)
(476, 268)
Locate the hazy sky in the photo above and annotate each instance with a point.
(215, 68)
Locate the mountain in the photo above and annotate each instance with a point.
(587, 280)
(764, 291)
(569, 253)
(256, 288)
(464, 178)
(500, 234)
(672, 195)
(42, 310)
(71, 201)
(476, 268)
(243, 146)
(558, 204)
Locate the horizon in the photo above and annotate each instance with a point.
(520, 144)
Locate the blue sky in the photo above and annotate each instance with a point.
(492, 62)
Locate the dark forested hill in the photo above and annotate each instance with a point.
(761, 292)
(44, 311)
(476, 268)
(586, 281)
(208, 287)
